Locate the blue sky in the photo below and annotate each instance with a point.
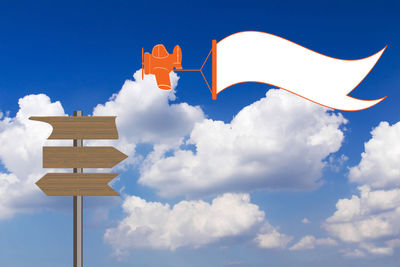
(80, 54)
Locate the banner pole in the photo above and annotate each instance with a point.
(78, 213)
(214, 70)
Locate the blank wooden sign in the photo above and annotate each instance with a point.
(85, 127)
(77, 184)
(81, 157)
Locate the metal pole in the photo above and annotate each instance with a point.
(78, 213)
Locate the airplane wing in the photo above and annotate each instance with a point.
(162, 77)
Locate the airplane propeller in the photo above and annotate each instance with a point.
(142, 63)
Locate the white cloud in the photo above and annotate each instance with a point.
(278, 142)
(370, 202)
(373, 215)
(309, 242)
(353, 253)
(371, 248)
(21, 139)
(21, 142)
(186, 224)
(306, 221)
(380, 162)
(6, 182)
(269, 237)
(145, 114)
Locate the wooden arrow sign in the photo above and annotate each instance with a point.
(81, 157)
(96, 127)
(77, 184)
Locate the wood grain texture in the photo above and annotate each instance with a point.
(77, 184)
(81, 157)
(85, 127)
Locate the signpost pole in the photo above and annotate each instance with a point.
(78, 213)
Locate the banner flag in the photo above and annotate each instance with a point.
(266, 58)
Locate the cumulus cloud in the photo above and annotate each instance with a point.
(145, 115)
(269, 237)
(380, 161)
(278, 142)
(309, 242)
(21, 142)
(373, 216)
(365, 220)
(306, 221)
(186, 224)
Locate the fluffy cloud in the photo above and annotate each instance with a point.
(373, 215)
(6, 182)
(309, 242)
(186, 224)
(145, 114)
(269, 237)
(371, 220)
(380, 162)
(21, 142)
(278, 142)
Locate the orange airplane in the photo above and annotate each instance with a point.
(161, 63)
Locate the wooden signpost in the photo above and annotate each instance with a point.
(79, 184)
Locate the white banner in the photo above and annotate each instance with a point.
(266, 58)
